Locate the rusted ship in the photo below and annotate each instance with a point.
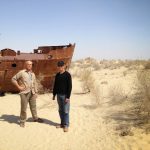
(44, 60)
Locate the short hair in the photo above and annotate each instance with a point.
(28, 61)
(60, 63)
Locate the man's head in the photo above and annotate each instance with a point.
(28, 65)
(61, 66)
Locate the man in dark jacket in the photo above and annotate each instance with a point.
(62, 88)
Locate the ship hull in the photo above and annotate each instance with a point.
(44, 66)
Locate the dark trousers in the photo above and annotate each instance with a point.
(63, 109)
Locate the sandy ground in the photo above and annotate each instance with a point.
(89, 128)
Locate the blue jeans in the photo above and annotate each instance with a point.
(63, 109)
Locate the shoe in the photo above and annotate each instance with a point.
(66, 129)
(39, 120)
(22, 124)
(59, 126)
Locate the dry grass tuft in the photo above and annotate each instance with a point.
(89, 85)
(87, 80)
(117, 94)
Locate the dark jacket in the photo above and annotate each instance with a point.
(63, 84)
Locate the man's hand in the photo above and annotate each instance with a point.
(53, 98)
(21, 88)
(67, 100)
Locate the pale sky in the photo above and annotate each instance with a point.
(103, 29)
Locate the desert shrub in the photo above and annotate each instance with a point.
(96, 66)
(87, 80)
(86, 66)
(90, 63)
(147, 65)
(89, 60)
(110, 64)
(89, 85)
(97, 94)
(116, 94)
(142, 93)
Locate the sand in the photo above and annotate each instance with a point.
(90, 128)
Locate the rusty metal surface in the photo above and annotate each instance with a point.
(44, 59)
(8, 52)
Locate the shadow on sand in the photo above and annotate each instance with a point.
(10, 118)
(15, 119)
(90, 106)
(81, 93)
(46, 121)
(128, 119)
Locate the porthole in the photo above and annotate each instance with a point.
(14, 65)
